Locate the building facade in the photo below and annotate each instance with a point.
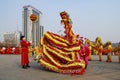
(33, 31)
(12, 38)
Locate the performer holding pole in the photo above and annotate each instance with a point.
(84, 53)
(100, 51)
(24, 52)
(88, 43)
(119, 52)
(109, 50)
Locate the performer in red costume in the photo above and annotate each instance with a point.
(8, 50)
(84, 53)
(3, 50)
(0, 50)
(24, 53)
(17, 50)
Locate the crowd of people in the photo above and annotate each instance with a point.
(17, 50)
(10, 50)
(107, 50)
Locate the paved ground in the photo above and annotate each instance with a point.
(10, 69)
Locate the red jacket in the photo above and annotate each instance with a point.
(24, 52)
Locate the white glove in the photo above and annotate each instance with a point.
(30, 41)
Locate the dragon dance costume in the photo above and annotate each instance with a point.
(61, 53)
